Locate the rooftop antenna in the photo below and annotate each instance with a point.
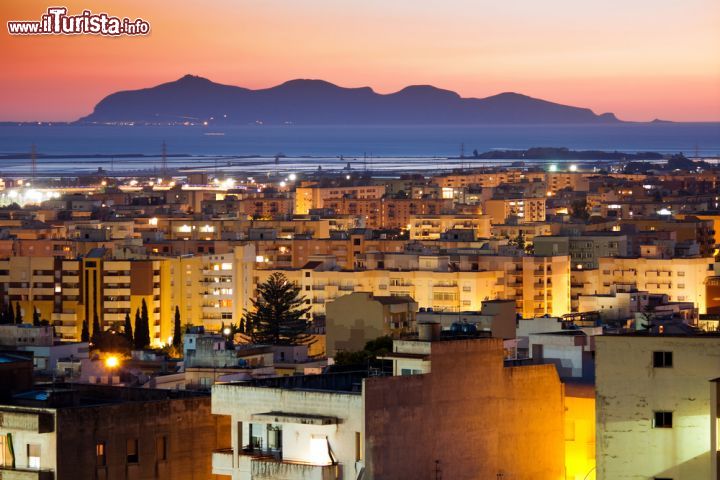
(164, 159)
(33, 162)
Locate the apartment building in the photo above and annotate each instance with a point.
(656, 413)
(345, 426)
(212, 290)
(523, 210)
(681, 279)
(311, 197)
(489, 179)
(432, 227)
(539, 285)
(388, 212)
(584, 250)
(91, 431)
(354, 319)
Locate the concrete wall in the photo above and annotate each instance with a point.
(630, 390)
(351, 321)
(475, 417)
(240, 403)
(191, 431)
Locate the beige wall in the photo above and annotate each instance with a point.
(630, 390)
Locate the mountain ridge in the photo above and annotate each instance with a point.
(194, 99)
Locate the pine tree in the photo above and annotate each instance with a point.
(177, 331)
(10, 314)
(95, 329)
(85, 335)
(128, 331)
(18, 313)
(279, 313)
(36, 317)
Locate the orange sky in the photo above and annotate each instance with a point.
(641, 59)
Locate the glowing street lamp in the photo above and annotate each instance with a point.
(112, 362)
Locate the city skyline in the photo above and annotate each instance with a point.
(617, 60)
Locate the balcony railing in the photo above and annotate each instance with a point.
(8, 473)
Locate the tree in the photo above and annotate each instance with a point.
(578, 210)
(18, 313)
(368, 355)
(10, 314)
(177, 330)
(279, 313)
(95, 329)
(36, 317)
(142, 328)
(128, 331)
(85, 335)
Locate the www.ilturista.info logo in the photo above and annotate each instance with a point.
(57, 22)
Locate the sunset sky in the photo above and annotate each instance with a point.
(641, 59)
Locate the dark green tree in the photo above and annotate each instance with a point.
(578, 210)
(142, 332)
(137, 339)
(128, 331)
(279, 313)
(177, 330)
(36, 317)
(18, 313)
(85, 335)
(95, 329)
(10, 314)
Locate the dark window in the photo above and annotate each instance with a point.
(161, 448)
(356, 241)
(307, 274)
(132, 450)
(662, 359)
(663, 420)
(101, 460)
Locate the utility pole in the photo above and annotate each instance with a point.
(33, 163)
(163, 165)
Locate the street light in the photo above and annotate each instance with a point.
(111, 363)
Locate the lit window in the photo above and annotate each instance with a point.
(100, 457)
(132, 450)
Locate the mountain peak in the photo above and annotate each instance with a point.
(192, 79)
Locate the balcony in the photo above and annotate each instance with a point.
(8, 473)
(269, 465)
(223, 461)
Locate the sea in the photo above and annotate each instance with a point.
(255, 149)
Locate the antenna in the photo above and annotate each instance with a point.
(33, 162)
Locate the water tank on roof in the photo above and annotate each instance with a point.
(463, 328)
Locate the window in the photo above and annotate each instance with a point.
(161, 448)
(274, 437)
(663, 420)
(662, 359)
(33, 455)
(358, 447)
(100, 459)
(132, 450)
